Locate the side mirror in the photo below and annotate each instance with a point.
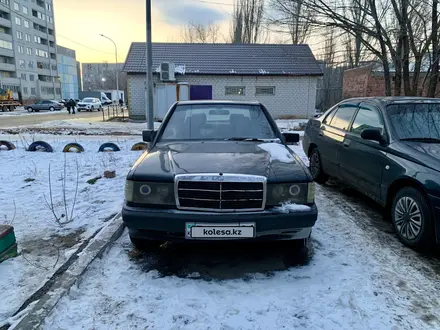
(373, 134)
(291, 137)
(148, 135)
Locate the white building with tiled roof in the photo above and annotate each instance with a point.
(282, 77)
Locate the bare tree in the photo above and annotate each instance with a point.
(247, 22)
(199, 33)
(295, 17)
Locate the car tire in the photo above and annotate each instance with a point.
(51, 109)
(412, 218)
(145, 245)
(298, 252)
(316, 167)
(79, 110)
(30, 109)
(40, 146)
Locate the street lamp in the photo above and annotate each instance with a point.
(103, 82)
(117, 73)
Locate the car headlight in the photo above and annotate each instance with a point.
(300, 193)
(149, 193)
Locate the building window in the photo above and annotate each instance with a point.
(16, 6)
(31, 77)
(25, 10)
(37, 39)
(21, 49)
(31, 66)
(28, 50)
(5, 44)
(12, 88)
(263, 90)
(19, 35)
(18, 21)
(234, 90)
(41, 53)
(54, 68)
(23, 76)
(28, 37)
(25, 90)
(6, 2)
(26, 24)
(22, 63)
(33, 91)
(58, 90)
(48, 7)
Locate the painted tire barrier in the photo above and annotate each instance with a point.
(40, 146)
(139, 146)
(76, 147)
(7, 144)
(106, 146)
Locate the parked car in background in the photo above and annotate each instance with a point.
(219, 171)
(388, 149)
(50, 105)
(89, 104)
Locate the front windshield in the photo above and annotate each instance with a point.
(415, 120)
(88, 100)
(218, 122)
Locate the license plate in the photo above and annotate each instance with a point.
(219, 231)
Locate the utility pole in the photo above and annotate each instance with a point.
(149, 64)
(117, 66)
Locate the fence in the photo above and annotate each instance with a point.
(114, 111)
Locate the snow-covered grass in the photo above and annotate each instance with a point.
(25, 193)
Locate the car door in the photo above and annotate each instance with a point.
(332, 135)
(46, 105)
(362, 161)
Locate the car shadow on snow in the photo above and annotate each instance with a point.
(217, 260)
(371, 214)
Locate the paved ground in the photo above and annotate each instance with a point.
(32, 119)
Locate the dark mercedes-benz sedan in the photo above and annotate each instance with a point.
(388, 149)
(219, 171)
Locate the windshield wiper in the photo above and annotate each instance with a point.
(244, 139)
(422, 139)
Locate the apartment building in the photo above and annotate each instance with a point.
(68, 71)
(28, 54)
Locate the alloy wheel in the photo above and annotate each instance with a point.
(408, 218)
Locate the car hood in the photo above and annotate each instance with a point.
(428, 153)
(272, 160)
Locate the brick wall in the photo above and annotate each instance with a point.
(363, 81)
(294, 96)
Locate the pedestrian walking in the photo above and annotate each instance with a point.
(68, 107)
(121, 102)
(73, 105)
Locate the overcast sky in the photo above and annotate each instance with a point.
(79, 23)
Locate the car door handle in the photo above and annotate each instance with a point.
(346, 144)
(321, 134)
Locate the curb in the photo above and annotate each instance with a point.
(35, 318)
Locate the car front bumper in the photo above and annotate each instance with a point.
(169, 224)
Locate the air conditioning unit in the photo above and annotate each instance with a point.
(167, 71)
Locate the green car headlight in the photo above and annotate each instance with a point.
(150, 193)
(299, 193)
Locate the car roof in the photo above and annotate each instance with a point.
(212, 102)
(387, 100)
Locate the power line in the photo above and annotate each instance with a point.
(78, 43)
(214, 3)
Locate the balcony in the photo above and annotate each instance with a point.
(6, 52)
(5, 36)
(7, 67)
(5, 22)
(40, 34)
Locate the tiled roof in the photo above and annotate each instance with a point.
(225, 59)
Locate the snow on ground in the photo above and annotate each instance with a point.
(354, 281)
(292, 125)
(351, 283)
(85, 126)
(23, 112)
(24, 189)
